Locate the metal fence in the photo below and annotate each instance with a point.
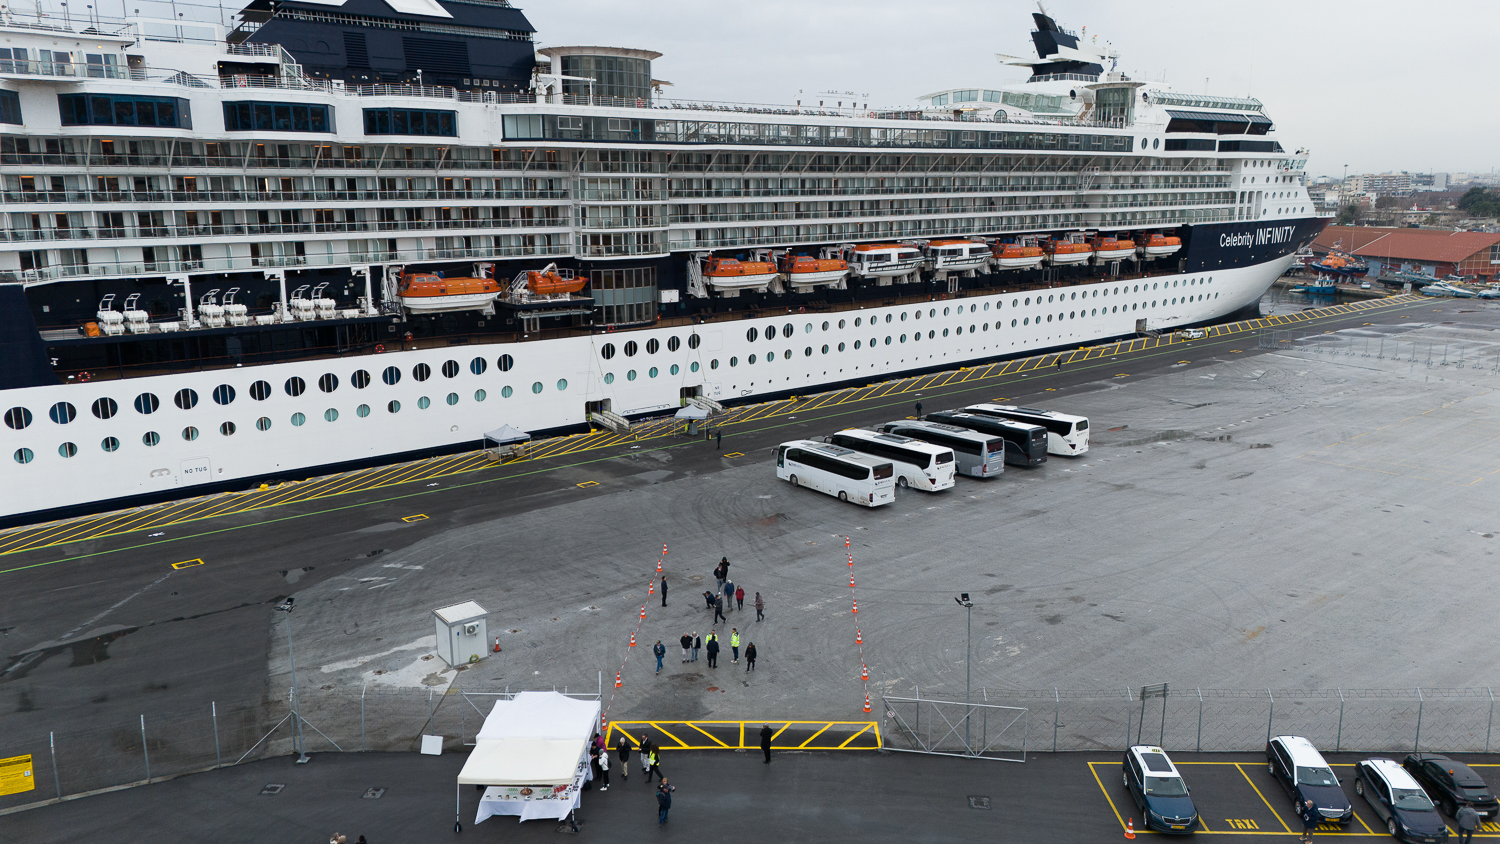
(1485, 358)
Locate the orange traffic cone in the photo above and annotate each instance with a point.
(658, 566)
(846, 542)
(632, 640)
(664, 549)
(1130, 828)
(856, 606)
(651, 589)
(864, 672)
(618, 682)
(851, 561)
(858, 639)
(643, 613)
(497, 644)
(867, 703)
(851, 580)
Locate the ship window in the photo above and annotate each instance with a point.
(652, 346)
(733, 361)
(105, 408)
(110, 444)
(651, 373)
(391, 375)
(67, 449)
(298, 419)
(694, 366)
(450, 368)
(752, 335)
(260, 391)
(631, 348)
(629, 376)
(536, 386)
(786, 330)
(295, 386)
(190, 433)
(856, 344)
(150, 438)
(675, 369)
(62, 413)
(452, 399)
(276, 117)
(480, 395)
(360, 379)
(362, 411)
(328, 382)
(421, 372)
(331, 415)
(608, 350)
(562, 383)
(609, 378)
(187, 399)
(410, 121)
(263, 423)
(423, 403)
(18, 418)
(10, 107)
(122, 110)
(24, 455)
(693, 341)
(227, 429)
(506, 392)
(478, 366)
(841, 347)
(750, 360)
(393, 407)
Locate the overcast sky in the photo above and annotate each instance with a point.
(1375, 84)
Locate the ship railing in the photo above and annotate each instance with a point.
(250, 49)
(77, 70)
(97, 197)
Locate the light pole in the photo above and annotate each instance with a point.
(968, 605)
(302, 757)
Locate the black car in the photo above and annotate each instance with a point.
(1399, 801)
(1302, 771)
(1452, 784)
(1158, 790)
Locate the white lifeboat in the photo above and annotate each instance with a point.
(885, 260)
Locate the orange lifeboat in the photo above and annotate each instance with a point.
(803, 271)
(1159, 244)
(552, 281)
(431, 293)
(1113, 248)
(734, 274)
(1014, 256)
(1067, 252)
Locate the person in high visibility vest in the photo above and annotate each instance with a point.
(734, 643)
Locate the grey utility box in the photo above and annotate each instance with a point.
(461, 632)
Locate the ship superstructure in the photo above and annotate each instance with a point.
(224, 259)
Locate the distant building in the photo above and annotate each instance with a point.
(1426, 251)
(1381, 184)
(1429, 181)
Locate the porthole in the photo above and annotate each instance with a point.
(505, 363)
(986, 305)
(903, 338)
(105, 408)
(693, 367)
(421, 372)
(650, 373)
(856, 345)
(752, 335)
(787, 330)
(958, 330)
(903, 316)
(945, 311)
(298, 419)
(450, 368)
(263, 423)
(1156, 143)
(807, 352)
(25, 455)
(67, 449)
(1143, 143)
(190, 433)
(607, 351)
(856, 322)
(260, 390)
(227, 429)
(361, 379)
(452, 399)
(825, 325)
(609, 378)
(536, 386)
(787, 355)
(294, 386)
(506, 392)
(1026, 320)
(917, 314)
(391, 376)
(423, 403)
(888, 338)
(330, 415)
(478, 366)
(150, 438)
(1028, 300)
(916, 336)
(19, 418)
(841, 323)
(675, 369)
(872, 342)
(63, 412)
(694, 341)
(714, 364)
(364, 410)
(652, 346)
(1049, 300)
(673, 344)
(983, 325)
(750, 360)
(841, 347)
(825, 348)
(931, 334)
(887, 318)
(110, 444)
(807, 329)
(393, 407)
(145, 403)
(631, 348)
(733, 361)
(223, 394)
(328, 382)
(562, 383)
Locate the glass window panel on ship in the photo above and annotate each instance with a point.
(277, 117)
(624, 296)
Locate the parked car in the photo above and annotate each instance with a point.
(1399, 801)
(1452, 784)
(1158, 790)
(1302, 771)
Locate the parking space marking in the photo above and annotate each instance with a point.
(1241, 823)
(1241, 769)
(1105, 792)
(589, 483)
(187, 564)
(417, 518)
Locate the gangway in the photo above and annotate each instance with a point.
(613, 421)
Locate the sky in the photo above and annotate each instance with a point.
(1376, 84)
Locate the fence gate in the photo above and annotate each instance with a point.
(955, 728)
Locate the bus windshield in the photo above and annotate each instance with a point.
(945, 457)
(883, 471)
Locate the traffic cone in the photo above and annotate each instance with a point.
(851, 580)
(867, 703)
(846, 542)
(643, 613)
(1130, 828)
(856, 606)
(658, 565)
(632, 640)
(619, 682)
(497, 644)
(858, 639)
(664, 549)
(864, 672)
(651, 589)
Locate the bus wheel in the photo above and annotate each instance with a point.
(901, 482)
(793, 480)
(843, 496)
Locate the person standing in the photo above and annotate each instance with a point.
(718, 439)
(750, 658)
(645, 748)
(1310, 819)
(713, 650)
(687, 642)
(919, 410)
(719, 609)
(760, 607)
(734, 643)
(660, 651)
(729, 594)
(765, 739)
(623, 748)
(655, 766)
(588, 784)
(697, 645)
(1468, 821)
(739, 597)
(663, 801)
(663, 590)
(604, 769)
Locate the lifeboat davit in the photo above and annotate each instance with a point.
(802, 271)
(1014, 256)
(733, 274)
(1158, 245)
(430, 293)
(1113, 249)
(552, 281)
(1061, 252)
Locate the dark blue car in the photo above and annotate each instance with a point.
(1159, 791)
(1399, 801)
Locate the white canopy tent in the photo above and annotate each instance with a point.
(532, 753)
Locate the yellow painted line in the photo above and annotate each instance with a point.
(1105, 792)
(715, 740)
(735, 454)
(855, 736)
(187, 564)
(813, 736)
(588, 483)
(417, 518)
(777, 734)
(1263, 799)
(657, 725)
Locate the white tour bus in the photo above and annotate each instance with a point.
(838, 471)
(926, 466)
(1067, 436)
(978, 455)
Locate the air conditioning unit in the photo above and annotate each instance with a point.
(471, 629)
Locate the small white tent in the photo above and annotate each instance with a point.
(532, 752)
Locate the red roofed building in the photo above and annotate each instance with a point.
(1426, 251)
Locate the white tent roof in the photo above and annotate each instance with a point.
(506, 434)
(522, 761)
(691, 411)
(547, 715)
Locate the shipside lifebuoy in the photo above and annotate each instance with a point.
(408, 336)
(84, 376)
(379, 348)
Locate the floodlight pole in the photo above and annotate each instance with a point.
(968, 606)
(302, 757)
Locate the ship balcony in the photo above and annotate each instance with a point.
(277, 197)
(66, 71)
(44, 235)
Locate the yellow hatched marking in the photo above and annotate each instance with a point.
(416, 518)
(715, 740)
(187, 564)
(814, 735)
(862, 731)
(589, 483)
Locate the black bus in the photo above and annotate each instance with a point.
(1025, 445)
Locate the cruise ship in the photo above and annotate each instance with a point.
(346, 232)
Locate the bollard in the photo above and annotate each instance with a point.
(145, 751)
(57, 783)
(215, 710)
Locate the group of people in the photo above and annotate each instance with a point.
(650, 764)
(729, 597)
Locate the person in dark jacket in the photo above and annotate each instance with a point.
(663, 590)
(719, 609)
(760, 607)
(1310, 819)
(645, 748)
(765, 739)
(623, 748)
(697, 645)
(708, 599)
(687, 642)
(713, 651)
(658, 650)
(739, 597)
(750, 658)
(663, 801)
(1468, 821)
